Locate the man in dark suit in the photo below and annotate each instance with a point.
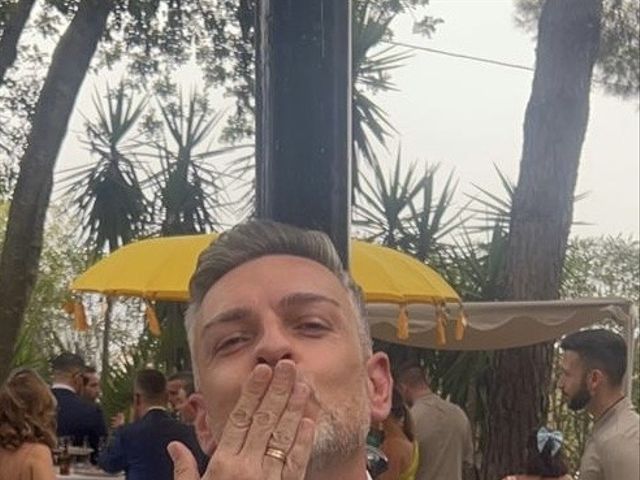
(140, 448)
(77, 418)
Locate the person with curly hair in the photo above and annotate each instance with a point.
(545, 460)
(27, 427)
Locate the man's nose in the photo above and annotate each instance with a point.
(274, 345)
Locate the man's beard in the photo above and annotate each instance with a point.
(580, 399)
(340, 432)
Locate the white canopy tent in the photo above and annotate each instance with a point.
(499, 325)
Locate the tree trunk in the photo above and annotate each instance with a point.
(554, 128)
(23, 241)
(18, 16)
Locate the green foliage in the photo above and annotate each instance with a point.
(603, 266)
(18, 96)
(225, 51)
(431, 222)
(618, 62)
(165, 182)
(382, 204)
(107, 195)
(371, 73)
(475, 266)
(493, 209)
(47, 328)
(117, 386)
(402, 210)
(186, 187)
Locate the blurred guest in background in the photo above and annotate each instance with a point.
(399, 443)
(545, 459)
(140, 448)
(442, 429)
(184, 409)
(90, 385)
(77, 418)
(175, 383)
(27, 427)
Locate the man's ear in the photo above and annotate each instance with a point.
(380, 386)
(201, 424)
(595, 378)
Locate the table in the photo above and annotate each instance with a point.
(90, 476)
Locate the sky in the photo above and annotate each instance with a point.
(467, 116)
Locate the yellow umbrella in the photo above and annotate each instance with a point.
(160, 268)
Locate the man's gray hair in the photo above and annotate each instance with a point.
(258, 238)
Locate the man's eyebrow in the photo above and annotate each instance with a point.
(304, 298)
(228, 316)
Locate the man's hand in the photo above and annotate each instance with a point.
(266, 436)
(184, 465)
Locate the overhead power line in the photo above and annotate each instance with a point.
(460, 55)
(489, 61)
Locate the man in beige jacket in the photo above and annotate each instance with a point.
(592, 371)
(442, 429)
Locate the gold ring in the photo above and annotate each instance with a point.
(276, 453)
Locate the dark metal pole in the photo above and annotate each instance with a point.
(303, 115)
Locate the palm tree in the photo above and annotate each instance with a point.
(402, 210)
(382, 204)
(187, 191)
(108, 194)
(372, 68)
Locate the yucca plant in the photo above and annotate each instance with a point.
(475, 267)
(433, 222)
(403, 210)
(107, 194)
(493, 209)
(382, 205)
(188, 192)
(372, 67)
(189, 197)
